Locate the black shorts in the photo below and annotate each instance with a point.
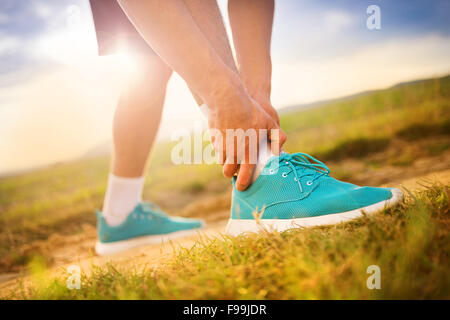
(115, 32)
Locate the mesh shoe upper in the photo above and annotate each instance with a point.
(145, 220)
(299, 186)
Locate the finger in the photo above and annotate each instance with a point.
(221, 156)
(231, 162)
(229, 169)
(219, 150)
(244, 176)
(247, 165)
(277, 138)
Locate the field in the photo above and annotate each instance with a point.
(386, 137)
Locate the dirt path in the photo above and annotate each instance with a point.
(82, 255)
(78, 249)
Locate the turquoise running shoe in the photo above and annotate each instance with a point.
(146, 224)
(295, 191)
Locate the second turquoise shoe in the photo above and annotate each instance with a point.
(146, 224)
(296, 190)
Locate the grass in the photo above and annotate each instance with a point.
(379, 115)
(355, 148)
(420, 130)
(409, 243)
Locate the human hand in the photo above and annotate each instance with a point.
(263, 99)
(238, 121)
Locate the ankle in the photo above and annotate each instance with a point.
(123, 194)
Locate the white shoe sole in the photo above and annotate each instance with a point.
(240, 226)
(119, 246)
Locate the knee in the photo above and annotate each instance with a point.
(153, 70)
(149, 78)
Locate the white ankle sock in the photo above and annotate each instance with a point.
(265, 153)
(122, 196)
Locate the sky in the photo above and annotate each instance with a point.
(57, 96)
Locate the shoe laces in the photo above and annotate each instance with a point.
(298, 163)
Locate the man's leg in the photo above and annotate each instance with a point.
(126, 222)
(136, 123)
(139, 111)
